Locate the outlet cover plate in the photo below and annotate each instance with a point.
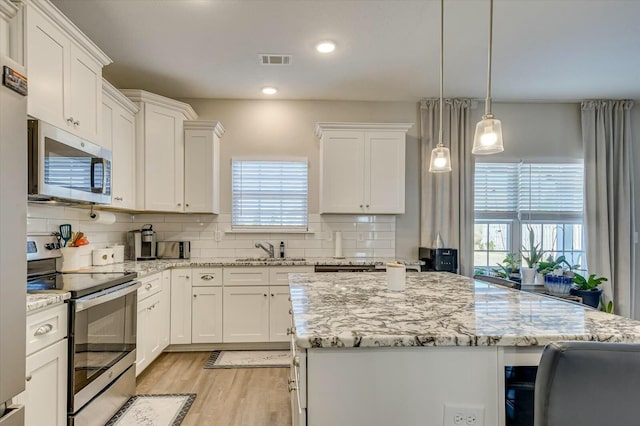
(463, 415)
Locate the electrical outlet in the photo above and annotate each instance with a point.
(463, 415)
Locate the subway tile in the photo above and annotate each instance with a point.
(236, 244)
(250, 253)
(207, 235)
(44, 211)
(281, 237)
(294, 252)
(204, 244)
(304, 244)
(382, 252)
(217, 253)
(148, 218)
(358, 253)
(387, 227)
(199, 226)
(345, 244)
(37, 226)
(181, 236)
(373, 244)
(318, 252)
(332, 227)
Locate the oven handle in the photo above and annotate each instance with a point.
(90, 301)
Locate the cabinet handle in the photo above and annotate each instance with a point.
(367, 205)
(179, 204)
(195, 296)
(265, 295)
(361, 206)
(28, 378)
(118, 198)
(290, 311)
(207, 277)
(291, 330)
(76, 123)
(292, 388)
(272, 294)
(187, 276)
(43, 329)
(70, 120)
(296, 361)
(148, 286)
(187, 205)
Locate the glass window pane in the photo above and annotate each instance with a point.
(496, 257)
(498, 236)
(479, 259)
(577, 237)
(480, 236)
(552, 237)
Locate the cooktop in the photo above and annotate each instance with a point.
(78, 284)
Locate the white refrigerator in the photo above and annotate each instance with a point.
(13, 218)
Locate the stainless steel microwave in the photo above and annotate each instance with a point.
(65, 167)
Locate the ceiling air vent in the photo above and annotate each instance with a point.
(271, 59)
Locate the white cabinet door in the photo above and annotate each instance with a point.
(109, 110)
(164, 160)
(86, 95)
(48, 56)
(206, 315)
(246, 314)
(45, 398)
(123, 162)
(154, 331)
(279, 316)
(342, 172)
(385, 166)
(201, 171)
(181, 306)
(164, 323)
(279, 275)
(251, 276)
(142, 338)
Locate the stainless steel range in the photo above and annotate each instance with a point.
(102, 332)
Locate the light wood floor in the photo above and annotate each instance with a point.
(226, 397)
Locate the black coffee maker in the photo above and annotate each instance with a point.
(439, 259)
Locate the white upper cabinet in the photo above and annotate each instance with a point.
(11, 30)
(202, 166)
(65, 72)
(159, 151)
(119, 135)
(362, 167)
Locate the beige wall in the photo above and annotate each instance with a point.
(286, 128)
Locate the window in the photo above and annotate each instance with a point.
(510, 197)
(269, 194)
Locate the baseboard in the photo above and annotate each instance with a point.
(201, 347)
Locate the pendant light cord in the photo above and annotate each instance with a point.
(441, 68)
(487, 104)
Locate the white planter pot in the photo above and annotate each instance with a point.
(528, 275)
(539, 278)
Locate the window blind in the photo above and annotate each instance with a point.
(269, 194)
(537, 189)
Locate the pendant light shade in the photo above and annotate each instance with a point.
(488, 136)
(440, 156)
(440, 160)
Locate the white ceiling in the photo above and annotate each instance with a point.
(387, 49)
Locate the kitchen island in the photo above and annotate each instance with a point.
(370, 356)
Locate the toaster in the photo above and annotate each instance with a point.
(173, 250)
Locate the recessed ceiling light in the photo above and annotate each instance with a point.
(269, 90)
(326, 46)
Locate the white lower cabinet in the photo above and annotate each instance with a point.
(181, 306)
(279, 316)
(45, 398)
(152, 335)
(206, 309)
(246, 314)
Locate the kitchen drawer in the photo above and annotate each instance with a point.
(207, 277)
(46, 327)
(279, 275)
(150, 286)
(245, 276)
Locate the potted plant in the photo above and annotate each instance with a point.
(558, 275)
(587, 289)
(534, 256)
(511, 267)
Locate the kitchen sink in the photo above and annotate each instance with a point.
(271, 259)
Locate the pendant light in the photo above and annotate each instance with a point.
(440, 156)
(488, 136)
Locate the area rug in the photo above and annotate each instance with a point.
(153, 410)
(248, 359)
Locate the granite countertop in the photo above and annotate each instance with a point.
(150, 267)
(36, 301)
(438, 309)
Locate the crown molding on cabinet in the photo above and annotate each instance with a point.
(137, 95)
(111, 91)
(8, 9)
(382, 127)
(216, 126)
(54, 14)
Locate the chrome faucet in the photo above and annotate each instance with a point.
(270, 251)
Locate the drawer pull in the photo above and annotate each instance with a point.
(290, 311)
(296, 361)
(207, 277)
(43, 329)
(148, 286)
(291, 331)
(292, 388)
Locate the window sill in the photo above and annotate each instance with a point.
(269, 231)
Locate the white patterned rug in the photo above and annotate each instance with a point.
(153, 410)
(248, 359)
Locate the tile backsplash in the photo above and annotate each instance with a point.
(363, 236)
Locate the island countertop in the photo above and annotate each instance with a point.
(334, 310)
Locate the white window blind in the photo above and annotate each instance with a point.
(269, 194)
(536, 189)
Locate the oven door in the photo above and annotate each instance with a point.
(102, 341)
(64, 166)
